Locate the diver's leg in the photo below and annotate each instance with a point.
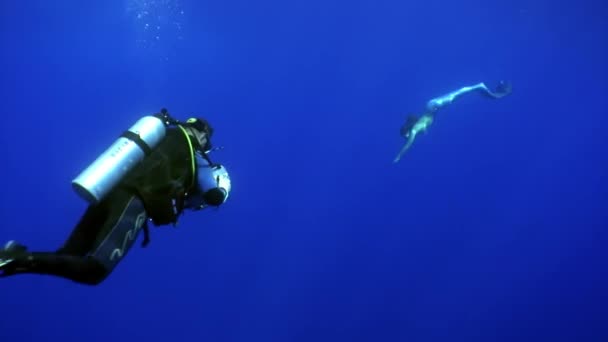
(69, 261)
(114, 243)
(83, 270)
(119, 226)
(83, 236)
(405, 147)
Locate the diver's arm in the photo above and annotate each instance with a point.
(503, 89)
(408, 144)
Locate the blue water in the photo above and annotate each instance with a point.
(493, 227)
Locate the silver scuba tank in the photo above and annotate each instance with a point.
(101, 176)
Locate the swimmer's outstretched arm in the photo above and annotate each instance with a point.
(408, 144)
(503, 89)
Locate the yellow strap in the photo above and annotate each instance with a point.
(192, 157)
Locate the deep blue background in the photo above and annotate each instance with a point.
(492, 228)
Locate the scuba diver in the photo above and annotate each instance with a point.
(152, 172)
(414, 125)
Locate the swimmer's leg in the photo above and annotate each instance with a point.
(405, 147)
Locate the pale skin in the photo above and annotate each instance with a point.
(421, 125)
(412, 127)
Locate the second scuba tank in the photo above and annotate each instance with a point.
(100, 177)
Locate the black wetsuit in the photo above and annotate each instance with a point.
(154, 190)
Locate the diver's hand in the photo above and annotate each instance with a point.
(11, 256)
(5, 262)
(6, 267)
(166, 117)
(503, 88)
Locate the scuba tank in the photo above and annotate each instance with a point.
(214, 183)
(101, 176)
